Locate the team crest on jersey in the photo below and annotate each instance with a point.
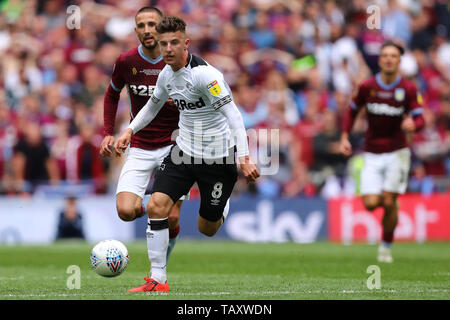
(134, 71)
(214, 88)
(399, 94)
(372, 93)
(189, 86)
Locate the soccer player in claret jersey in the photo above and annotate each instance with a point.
(138, 70)
(393, 108)
(205, 148)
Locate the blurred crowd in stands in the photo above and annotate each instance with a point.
(293, 65)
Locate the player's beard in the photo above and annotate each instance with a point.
(149, 47)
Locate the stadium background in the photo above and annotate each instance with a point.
(292, 66)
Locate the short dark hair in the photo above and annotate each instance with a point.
(390, 43)
(171, 24)
(147, 9)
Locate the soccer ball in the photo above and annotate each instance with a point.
(109, 258)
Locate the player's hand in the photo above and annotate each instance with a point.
(345, 147)
(123, 141)
(408, 124)
(248, 169)
(107, 146)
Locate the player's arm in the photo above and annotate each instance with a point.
(345, 147)
(236, 123)
(414, 121)
(110, 103)
(217, 91)
(143, 118)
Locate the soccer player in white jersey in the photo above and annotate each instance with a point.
(137, 70)
(211, 130)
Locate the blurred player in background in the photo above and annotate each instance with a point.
(393, 108)
(205, 148)
(138, 70)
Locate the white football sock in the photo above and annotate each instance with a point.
(157, 243)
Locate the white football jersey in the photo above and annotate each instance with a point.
(199, 91)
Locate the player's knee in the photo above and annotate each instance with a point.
(157, 209)
(173, 221)
(208, 228)
(371, 204)
(209, 232)
(389, 202)
(126, 213)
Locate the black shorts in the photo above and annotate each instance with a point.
(178, 173)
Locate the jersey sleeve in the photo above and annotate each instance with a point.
(355, 106)
(212, 84)
(112, 97)
(117, 79)
(415, 106)
(414, 101)
(359, 100)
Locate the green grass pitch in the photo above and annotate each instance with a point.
(216, 270)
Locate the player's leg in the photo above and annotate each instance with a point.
(129, 206)
(390, 217)
(372, 181)
(158, 208)
(396, 181)
(171, 182)
(174, 226)
(389, 222)
(174, 216)
(216, 183)
(133, 181)
(210, 228)
(372, 201)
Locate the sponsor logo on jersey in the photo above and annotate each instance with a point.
(214, 88)
(384, 109)
(183, 104)
(399, 94)
(169, 87)
(384, 94)
(151, 72)
(142, 90)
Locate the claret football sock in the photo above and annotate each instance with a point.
(173, 236)
(388, 238)
(142, 212)
(157, 243)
